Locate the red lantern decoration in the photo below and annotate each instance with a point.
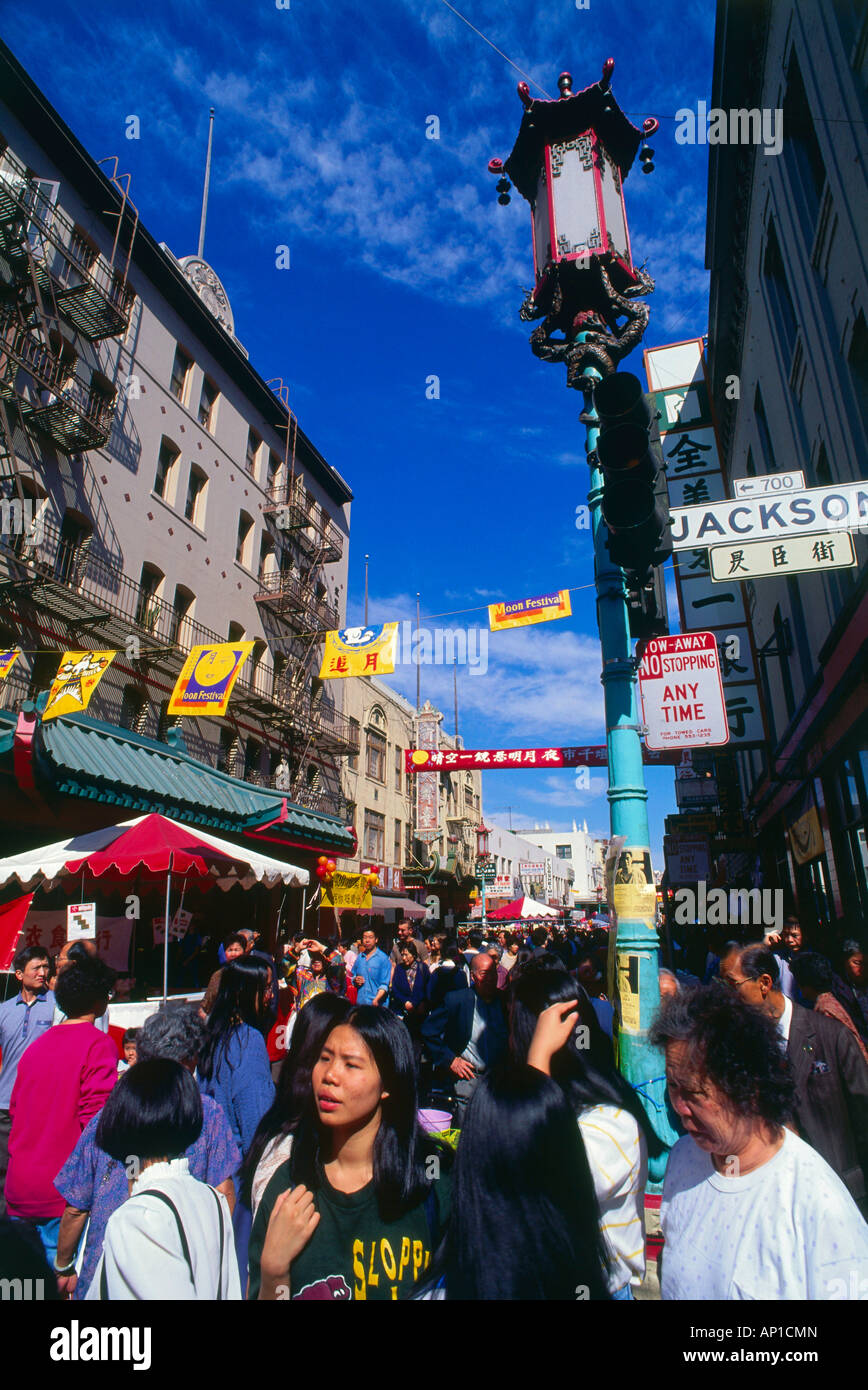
(330, 865)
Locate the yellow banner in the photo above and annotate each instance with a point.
(347, 890)
(207, 678)
(7, 661)
(360, 651)
(523, 611)
(77, 677)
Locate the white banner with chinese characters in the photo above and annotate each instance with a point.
(112, 940)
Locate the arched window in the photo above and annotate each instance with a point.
(194, 507)
(166, 721)
(244, 542)
(167, 469)
(182, 611)
(149, 606)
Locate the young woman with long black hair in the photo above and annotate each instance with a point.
(273, 1139)
(523, 1221)
(233, 1066)
(553, 1027)
(355, 1212)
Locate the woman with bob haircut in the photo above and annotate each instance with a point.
(354, 1212)
(273, 1139)
(172, 1238)
(523, 1221)
(554, 1027)
(749, 1210)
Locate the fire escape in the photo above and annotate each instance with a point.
(57, 294)
(294, 598)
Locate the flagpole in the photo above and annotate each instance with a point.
(418, 662)
(166, 935)
(367, 557)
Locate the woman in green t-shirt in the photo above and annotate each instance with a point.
(357, 1209)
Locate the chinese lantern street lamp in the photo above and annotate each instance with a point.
(569, 163)
(483, 862)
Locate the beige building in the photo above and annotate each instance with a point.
(159, 494)
(382, 799)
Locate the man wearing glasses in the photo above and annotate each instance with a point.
(831, 1108)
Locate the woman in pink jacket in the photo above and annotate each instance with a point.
(63, 1079)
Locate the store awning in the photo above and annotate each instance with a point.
(381, 904)
(151, 845)
(86, 758)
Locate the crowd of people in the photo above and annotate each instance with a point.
(439, 1119)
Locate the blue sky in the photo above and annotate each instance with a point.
(403, 266)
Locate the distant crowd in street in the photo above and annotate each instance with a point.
(438, 1118)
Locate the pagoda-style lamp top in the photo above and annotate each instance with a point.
(569, 162)
(482, 834)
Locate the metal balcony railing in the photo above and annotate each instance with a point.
(75, 414)
(306, 520)
(288, 594)
(88, 289)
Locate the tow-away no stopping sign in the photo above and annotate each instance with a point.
(681, 692)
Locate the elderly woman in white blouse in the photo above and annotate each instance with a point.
(172, 1238)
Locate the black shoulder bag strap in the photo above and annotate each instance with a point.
(182, 1234)
(222, 1238)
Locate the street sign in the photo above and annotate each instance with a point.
(80, 921)
(682, 693)
(687, 861)
(795, 555)
(843, 507)
(769, 482)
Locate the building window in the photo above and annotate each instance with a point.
(166, 721)
(857, 361)
(149, 606)
(228, 752)
(275, 463)
(134, 709)
(181, 609)
(253, 761)
(194, 507)
(253, 443)
(181, 368)
(802, 157)
(72, 548)
(375, 835)
(762, 425)
(398, 842)
(563, 851)
(166, 461)
(376, 757)
(244, 543)
(353, 759)
(783, 314)
(398, 767)
(207, 404)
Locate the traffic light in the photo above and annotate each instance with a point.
(646, 605)
(635, 495)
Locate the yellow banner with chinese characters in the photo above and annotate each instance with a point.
(77, 677)
(360, 651)
(347, 890)
(523, 611)
(207, 678)
(7, 661)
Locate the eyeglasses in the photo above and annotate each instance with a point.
(734, 984)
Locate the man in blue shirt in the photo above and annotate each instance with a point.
(373, 971)
(21, 1021)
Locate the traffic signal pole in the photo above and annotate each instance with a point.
(636, 945)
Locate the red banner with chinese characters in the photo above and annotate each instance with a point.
(588, 755)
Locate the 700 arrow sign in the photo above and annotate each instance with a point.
(812, 512)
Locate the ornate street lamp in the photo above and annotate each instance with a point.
(569, 162)
(483, 862)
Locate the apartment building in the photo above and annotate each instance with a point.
(432, 863)
(579, 851)
(788, 325)
(525, 869)
(159, 494)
